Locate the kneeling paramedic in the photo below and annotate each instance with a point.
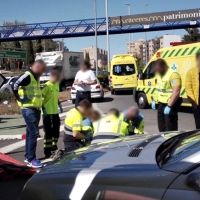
(134, 119)
(29, 96)
(109, 127)
(87, 124)
(167, 96)
(51, 120)
(74, 126)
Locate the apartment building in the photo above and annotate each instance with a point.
(101, 55)
(141, 47)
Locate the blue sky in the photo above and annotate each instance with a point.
(57, 10)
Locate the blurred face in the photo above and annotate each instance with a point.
(94, 116)
(198, 62)
(39, 68)
(132, 113)
(83, 67)
(160, 68)
(87, 112)
(55, 76)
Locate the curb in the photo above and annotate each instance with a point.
(12, 137)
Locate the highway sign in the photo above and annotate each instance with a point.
(13, 54)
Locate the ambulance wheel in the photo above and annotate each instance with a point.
(142, 100)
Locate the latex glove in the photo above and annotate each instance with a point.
(167, 110)
(153, 105)
(61, 109)
(44, 112)
(24, 100)
(88, 137)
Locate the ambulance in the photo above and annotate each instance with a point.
(179, 58)
(123, 73)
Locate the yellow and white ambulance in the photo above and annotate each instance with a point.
(179, 58)
(123, 73)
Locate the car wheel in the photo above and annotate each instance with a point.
(73, 101)
(102, 96)
(142, 100)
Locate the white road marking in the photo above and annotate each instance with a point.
(14, 146)
(79, 188)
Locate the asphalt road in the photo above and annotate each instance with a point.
(120, 101)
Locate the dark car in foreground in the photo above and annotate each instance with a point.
(160, 166)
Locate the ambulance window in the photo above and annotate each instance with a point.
(123, 69)
(149, 72)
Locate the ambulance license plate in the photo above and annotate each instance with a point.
(119, 86)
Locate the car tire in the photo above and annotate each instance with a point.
(142, 100)
(112, 91)
(102, 97)
(73, 101)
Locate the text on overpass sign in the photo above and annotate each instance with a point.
(13, 54)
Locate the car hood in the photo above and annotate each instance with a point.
(133, 152)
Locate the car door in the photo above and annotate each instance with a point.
(185, 187)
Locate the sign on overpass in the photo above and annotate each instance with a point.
(151, 18)
(13, 54)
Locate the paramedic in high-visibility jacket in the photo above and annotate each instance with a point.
(134, 119)
(167, 96)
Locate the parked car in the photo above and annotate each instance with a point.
(147, 167)
(96, 92)
(7, 86)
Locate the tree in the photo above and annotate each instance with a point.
(17, 45)
(139, 63)
(193, 35)
(39, 47)
(30, 52)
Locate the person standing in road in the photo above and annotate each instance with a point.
(84, 79)
(167, 96)
(51, 120)
(73, 127)
(29, 96)
(192, 87)
(134, 119)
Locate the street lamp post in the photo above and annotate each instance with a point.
(96, 42)
(107, 35)
(146, 58)
(129, 13)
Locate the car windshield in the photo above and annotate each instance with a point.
(184, 145)
(123, 69)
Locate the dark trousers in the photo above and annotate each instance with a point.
(81, 96)
(196, 113)
(168, 122)
(32, 119)
(51, 125)
(71, 143)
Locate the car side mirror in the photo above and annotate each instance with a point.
(193, 181)
(141, 76)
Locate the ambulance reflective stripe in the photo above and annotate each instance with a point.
(179, 52)
(164, 91)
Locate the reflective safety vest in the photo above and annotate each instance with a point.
(109, 128)
(163, 88)
(136, 126)
(31, 92)
(73, 122)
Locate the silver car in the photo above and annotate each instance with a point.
(145, 167)
(7, 86)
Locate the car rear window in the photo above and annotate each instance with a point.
(123, 69)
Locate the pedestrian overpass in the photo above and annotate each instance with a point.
(117, 25)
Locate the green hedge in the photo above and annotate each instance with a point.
(103, 79)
